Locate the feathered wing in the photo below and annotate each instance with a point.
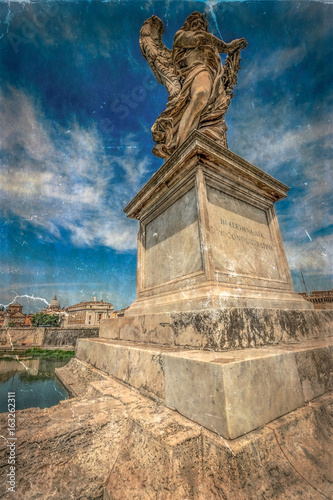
(158, 56)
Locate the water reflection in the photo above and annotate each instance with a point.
(33, 381)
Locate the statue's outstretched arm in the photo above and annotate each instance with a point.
(204, 38)
(240, 43)
(191, 39)
(223, 47)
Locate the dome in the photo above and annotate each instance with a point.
(54, 304)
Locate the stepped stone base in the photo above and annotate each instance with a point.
(230, 393)
(221, 329)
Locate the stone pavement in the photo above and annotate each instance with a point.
(112, 442)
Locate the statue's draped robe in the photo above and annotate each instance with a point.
(188, 63)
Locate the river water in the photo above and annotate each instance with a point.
(33, 381)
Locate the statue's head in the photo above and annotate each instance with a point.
(195, 22)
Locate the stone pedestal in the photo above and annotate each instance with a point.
(209, 235)
(216, 331)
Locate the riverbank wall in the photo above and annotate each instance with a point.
(45, 336)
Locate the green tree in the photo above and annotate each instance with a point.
(44, 319)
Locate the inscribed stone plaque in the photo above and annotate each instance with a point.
(241, 239)
(172, 242)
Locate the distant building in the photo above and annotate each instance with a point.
(54, 308)
(2, 317)
(119, 313)
(321, 299)
(54, 305)
(28, 320)
(13, 316)
(88, 313)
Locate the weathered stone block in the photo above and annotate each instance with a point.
(230, 392)
(315, 371)
(221, 329)
(232, 395)
(138, 366)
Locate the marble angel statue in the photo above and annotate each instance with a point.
(199, 87)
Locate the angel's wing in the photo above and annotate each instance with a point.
(158, 56)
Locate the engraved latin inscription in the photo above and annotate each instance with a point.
(241, 239)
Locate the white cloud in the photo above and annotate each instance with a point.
(293, 144)
(55, 178)
(297, 152)
(314, 256)
(271, 67)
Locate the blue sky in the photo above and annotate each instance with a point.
(77, 101)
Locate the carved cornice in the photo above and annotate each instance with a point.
(215, 157)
